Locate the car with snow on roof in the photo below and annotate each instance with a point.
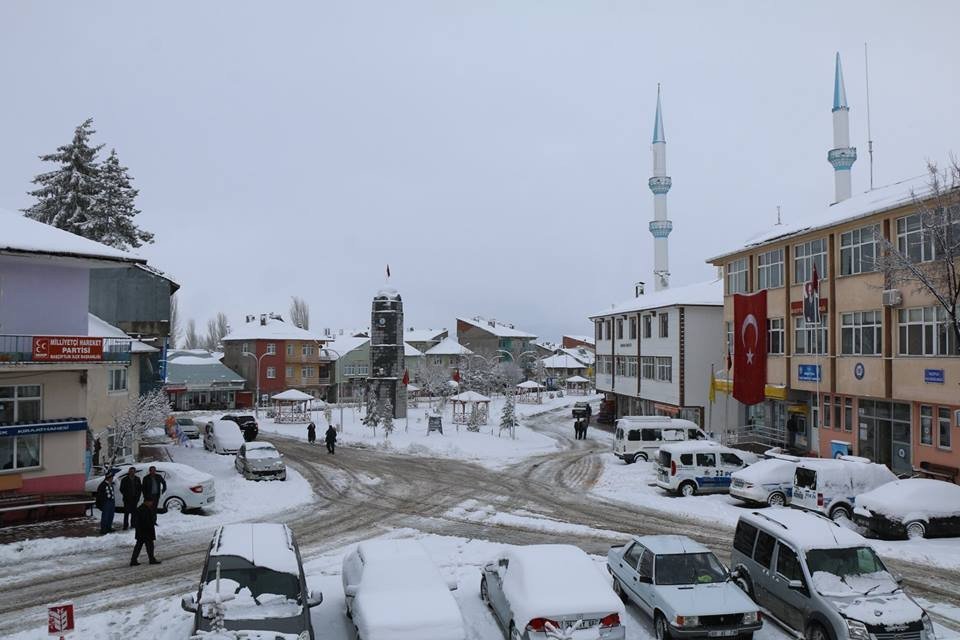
(912, 508)
(640, 437)
(394, 591)
(683, 587)
(830, 485)
(260, 460)
(701, 466)
(769, 481)
(188, 427)
(543, 591)
(187, 488)
(255, 571)
(223, 437)
(822, 580)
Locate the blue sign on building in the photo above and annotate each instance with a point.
(46, 426)
(934, 376)
(808, 372)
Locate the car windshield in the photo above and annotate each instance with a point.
(185, 421)
(852, 569)
(259, 593)
(689, 568)
(262, 453)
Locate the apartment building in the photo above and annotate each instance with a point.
(492, 338)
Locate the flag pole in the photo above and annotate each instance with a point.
(713, 397)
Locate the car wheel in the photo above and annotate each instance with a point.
(661, 627)
(838, 514)
(643, 457)
(777, 499)
(283, 477)
(174, 504)
(618, 589)
(916, 530)
(746, 636)
(816, 632)
(744, 582)
(484, 595)
(688, 489)
(629, 459)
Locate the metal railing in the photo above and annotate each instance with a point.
(20, 349)
(757, 434)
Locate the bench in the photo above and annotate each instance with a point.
(37, 507)
(937, 471)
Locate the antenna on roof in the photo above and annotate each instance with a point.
(779, 219)
(866, 71)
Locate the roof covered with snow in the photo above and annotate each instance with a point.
(562, 361)
(576, 379)
(263, 544)
(25, 235)
(708, 293)
(530, 384)
(199, 368)
(99, 328)
(448, 347)
(861, 205)
(585, 356)
(411, 352)
(345, 344)
(470, 396)
(499, 329)
(292, 395)
(913, 498)
(271, 329)
(422, 335)
(671, 544)
(805, 530)
(586, 339)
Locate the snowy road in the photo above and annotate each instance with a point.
(366, 492)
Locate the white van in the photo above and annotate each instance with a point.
(640, 437)
(691, 467)
(830, 485)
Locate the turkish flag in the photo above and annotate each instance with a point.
(406, 377)
(750, 347)
(456, 375)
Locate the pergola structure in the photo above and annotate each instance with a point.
(577, 386)
(530, 392)
(291, 407)
(472, 400)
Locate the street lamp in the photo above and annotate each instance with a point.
(320, 351)
(256, 401)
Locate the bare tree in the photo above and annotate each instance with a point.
(129, 423)
(929, 261)
(300, 312)
(174, 321)
(217, 327)
(191, 339)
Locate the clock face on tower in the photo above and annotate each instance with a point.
(382, 321)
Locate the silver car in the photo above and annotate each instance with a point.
(260, 461)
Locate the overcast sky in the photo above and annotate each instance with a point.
(495, 154)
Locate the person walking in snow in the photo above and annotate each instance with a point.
(107, 503)
(146, 532)
(331, 437)
(311, 433)
(154, 486)
(130, 490)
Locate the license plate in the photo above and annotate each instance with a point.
(210, 499)
(722, 634)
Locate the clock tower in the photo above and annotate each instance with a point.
(386, 351)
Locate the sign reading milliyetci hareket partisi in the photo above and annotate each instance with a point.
(60, 619)
(67, 348)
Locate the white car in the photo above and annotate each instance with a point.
(187, 488)
(689, 468)
(394, 591)
(189, 428)
(154, 435)
(222, 436)
(539, 591)
(830, 486)
(769, 481)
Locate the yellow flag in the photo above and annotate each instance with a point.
(713, 389)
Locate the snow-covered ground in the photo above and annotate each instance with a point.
(237, 500)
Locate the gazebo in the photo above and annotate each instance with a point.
(475, 402)
(530, 392)
(577, 386)
(291, 406)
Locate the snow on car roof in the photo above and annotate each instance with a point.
(914, 498)
(805, 530)
(183, 470)
(257, 444)
(692, 445)
(556, 579)
(263, 544)
(859, 473)
(776, 469)
(670, 544)
(375, 550)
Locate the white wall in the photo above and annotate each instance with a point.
(38, 299)
(655, 390)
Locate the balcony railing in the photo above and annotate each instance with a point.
(63, 349)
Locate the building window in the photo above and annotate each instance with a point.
(306, 350)
(861, 333)
(826, 411)
(620, 365)
(730, 342)
(848, 414)
(290, 350)
(809, 339)
(770, 269)
(308, 372)
(608, 329)
(245, 347)
(363, 369)
(272, 349)
(271, 372)
(19, 452)
(737, 276)
(664, 324)
(943, 420)
(648, 367)
(926, 424)
(350, 370)
(289, 372)
(913, 241)
(775, 335)
(805, 256)
(117, 380)
(647, 326)
(665, 369)
(633, 328)
(925, 331)
(20, 404)
(858, 250)
(631, 366)
(619, 328)
(598, 330)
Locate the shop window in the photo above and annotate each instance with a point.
(19, 452)
(943, 420)
(117, 380)
(926, 424)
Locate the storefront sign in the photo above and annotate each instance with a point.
(60, 619)
(52, 426)
(67, 349)
(934, 376)
(859, 371)
(808, 372)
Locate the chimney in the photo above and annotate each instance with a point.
(638, 290)
(263, 319)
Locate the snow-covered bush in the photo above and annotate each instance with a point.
(508, 417)
(476, 419)
(386, 417)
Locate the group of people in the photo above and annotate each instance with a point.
(142, 516)
(330, 436)
(580, 428)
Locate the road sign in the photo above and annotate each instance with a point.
(60, 619)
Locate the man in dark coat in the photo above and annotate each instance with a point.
(146, 532)
(130, 489)
(311, 433)
(154, 486)
(331, 437)
(106, 501)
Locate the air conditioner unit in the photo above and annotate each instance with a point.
(892, 297)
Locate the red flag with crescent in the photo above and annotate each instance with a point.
(406, 377)
(456, 375)
(750, 347)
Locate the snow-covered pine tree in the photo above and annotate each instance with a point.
(475, 419)
(508, 417)
(386, 417)
(111, 221)
(66, 197)
(372, 418)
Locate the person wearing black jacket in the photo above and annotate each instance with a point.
(331, 437)
(107, 503)
(146, 532)
(311, 433)
(130, 489)
(154, 486)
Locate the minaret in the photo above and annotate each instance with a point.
(842, 156)
(660, 184)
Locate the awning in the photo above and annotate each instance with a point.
(44, 426)
(770, 391)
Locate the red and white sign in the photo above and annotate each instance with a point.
(60, 619)
(750, 350)
(67, 349)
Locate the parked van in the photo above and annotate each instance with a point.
(830, 485)
(821, 579)
(640, 437)
(695, 467)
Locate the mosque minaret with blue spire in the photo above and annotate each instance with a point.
(842, 156)
(660, 184)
